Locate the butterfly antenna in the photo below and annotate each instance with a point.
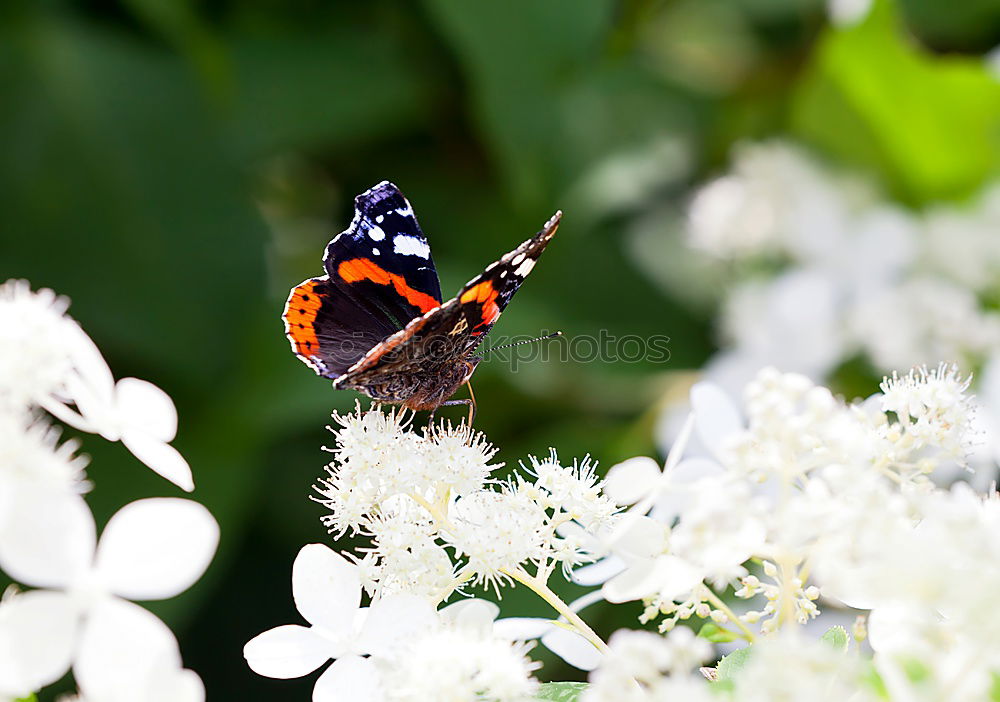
(553, 335)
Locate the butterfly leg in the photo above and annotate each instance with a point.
(470, 401)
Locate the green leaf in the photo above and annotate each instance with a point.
(716, 634)
(518, 53)
(916, 671)
(929, 125)
(837, 637)
(730, 666)
(29, 698)
(871, 678)
(995, 687)
(561, 691)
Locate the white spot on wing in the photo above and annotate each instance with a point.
(380, 218)
(517, 259)
(405, 211)
(411, 246)
(375, 251)
(525, 268)
(376, 233)
(503, 273)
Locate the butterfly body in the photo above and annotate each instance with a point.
(376, 323)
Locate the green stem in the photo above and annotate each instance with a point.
(719, 604)
(543, 591)
(535, 584)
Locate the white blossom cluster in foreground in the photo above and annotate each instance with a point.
(79, 613)
(807, 511)
(809, 506)
(438, 524)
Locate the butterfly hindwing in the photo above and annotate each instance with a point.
(382, 260)
(327, 330)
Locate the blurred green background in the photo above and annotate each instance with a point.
(174, 167)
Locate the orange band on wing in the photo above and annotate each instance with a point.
(300, 315)
(365, 269)
(486, 294)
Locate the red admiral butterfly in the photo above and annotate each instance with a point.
(375, 322)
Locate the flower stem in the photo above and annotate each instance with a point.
(719, 604)
(543, 591)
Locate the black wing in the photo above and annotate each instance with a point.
(380, 276)
(382, 260)
(457, 327)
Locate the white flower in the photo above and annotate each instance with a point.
(30, 454)
(126, 653)
(660, 665)
(460, 659)
(794, 321)
(35, 357)
(961, 242)
(151, 549)
(405, 555)
(378, 457)
(791, 667)
(573, 490)
(845, 13)
(921, 321)
(144, 419)
(398, 650)
(463, 455)
(498, 532)
(776, 199)
(327, 593)
(37, 638)
(49, 361)
(932, 407)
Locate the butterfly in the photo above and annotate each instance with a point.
(376, 323)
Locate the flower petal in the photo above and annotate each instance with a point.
(289, 651)
(90, 365)
(47, 538)
(38, 633)
(350, 679)
(669, 576)
(629, 481)
(326, 588)
(522, 628)
(716, 416)
(599, 572)
(393, 621)
(174, 685)
(123, 648)
(156, 548)
(162, 458)
(644, 538)
(474, 613)
(572, 648)
(145, 408)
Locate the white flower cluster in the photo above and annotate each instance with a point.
(437, 520)
(397, 650)
(80, 616)
(814, 504)
(821, 269)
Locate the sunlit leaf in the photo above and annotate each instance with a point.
(561, 691)
(930, 125)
